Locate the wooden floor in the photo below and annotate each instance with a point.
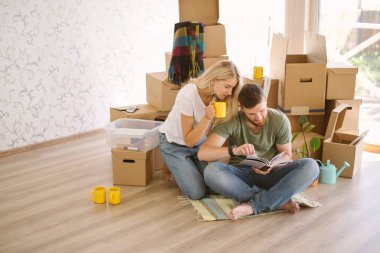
(44, 207)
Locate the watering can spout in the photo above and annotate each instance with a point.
(345, 165)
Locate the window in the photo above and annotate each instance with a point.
(352, 31)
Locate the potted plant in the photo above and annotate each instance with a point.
(308, 148)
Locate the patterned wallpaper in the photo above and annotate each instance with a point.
(63, 63)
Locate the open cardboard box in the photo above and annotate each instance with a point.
(339, 147)
(351, 118)
(302, 77)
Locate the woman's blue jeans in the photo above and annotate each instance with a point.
(185, 166)
(262, 192)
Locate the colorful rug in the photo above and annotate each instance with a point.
(216, 207)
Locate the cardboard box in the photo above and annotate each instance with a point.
(341, 81)
(302, 77)
(339, 147)
(206, 12)
(207, 61)
(299, 141)
(318, 120)
(134, 167)
(160, 93)
(270, 89)
(144, 111)
(214, 40)
(158, 162)
(351, 119)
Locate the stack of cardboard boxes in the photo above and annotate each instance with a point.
(308, 86)
(135, 167)
(298, 85)
(162, 93)
(206, 12)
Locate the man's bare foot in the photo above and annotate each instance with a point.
(291, 206)
(241, 211)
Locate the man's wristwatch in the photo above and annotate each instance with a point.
(230, 152)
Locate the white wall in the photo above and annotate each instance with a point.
(249, 28)
(63, 63)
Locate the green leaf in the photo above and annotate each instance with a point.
(315, 143)
(302, 120)
(295, 135)
(309, 128)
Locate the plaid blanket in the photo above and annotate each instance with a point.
(187, 53)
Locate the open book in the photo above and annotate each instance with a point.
(264, 164)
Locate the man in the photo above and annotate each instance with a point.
(256, 130)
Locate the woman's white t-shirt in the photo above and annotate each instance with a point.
(189, 103)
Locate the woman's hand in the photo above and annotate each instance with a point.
(244, 150)
(210, 111)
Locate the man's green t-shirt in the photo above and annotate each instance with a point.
(275, 131)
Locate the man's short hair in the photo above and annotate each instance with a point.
(251, 95)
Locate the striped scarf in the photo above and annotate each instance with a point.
(187, 54)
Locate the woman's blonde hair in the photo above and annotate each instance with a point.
(222, 70)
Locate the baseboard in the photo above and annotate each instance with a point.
(50, 142)
(372, 148)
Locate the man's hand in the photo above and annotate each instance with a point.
(262, 172)
(244, 150)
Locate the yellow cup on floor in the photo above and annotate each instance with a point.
(220, 109)
(114, 196)
(98, 195)
(258, 72)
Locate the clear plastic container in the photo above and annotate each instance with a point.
(135, 134)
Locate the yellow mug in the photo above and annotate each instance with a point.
(98, 195)
(220, 109)
(114, 195)
(258, 72)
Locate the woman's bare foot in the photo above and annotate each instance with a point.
(241, 211)
(291, 206)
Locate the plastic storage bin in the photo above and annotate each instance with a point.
(134, 134)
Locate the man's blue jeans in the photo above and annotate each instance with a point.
(185, 166)
(262, 192)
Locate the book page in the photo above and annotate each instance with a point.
(264, 164)
(254, 163)
(280, 158)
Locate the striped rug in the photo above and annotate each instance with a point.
(216, 207)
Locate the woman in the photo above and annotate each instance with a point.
(190, 120)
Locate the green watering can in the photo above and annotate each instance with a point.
(329, 174)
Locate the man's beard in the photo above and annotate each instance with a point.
(261, 124)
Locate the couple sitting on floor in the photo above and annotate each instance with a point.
(254, 129)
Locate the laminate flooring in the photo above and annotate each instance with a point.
(45, 207)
